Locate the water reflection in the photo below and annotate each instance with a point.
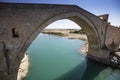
(91, 70)
(74, 74)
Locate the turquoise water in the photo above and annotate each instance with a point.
(58, 58)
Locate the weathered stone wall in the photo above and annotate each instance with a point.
(113, 38)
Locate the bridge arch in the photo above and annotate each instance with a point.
(81, 20)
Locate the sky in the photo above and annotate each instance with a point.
(97, 7)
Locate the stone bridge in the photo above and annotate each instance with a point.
(21, 23)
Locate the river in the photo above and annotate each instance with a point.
(59, 58)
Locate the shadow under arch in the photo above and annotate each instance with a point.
(84, 71)
(91, 70)
(81, 20)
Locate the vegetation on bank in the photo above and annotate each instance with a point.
(54, 33)
(81, 31)
(67, 33)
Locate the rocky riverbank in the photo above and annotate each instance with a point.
(23, 69)
(84, 49)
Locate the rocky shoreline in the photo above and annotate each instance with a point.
(84, 49)
(23, 69)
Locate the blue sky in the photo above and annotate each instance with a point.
(96, 7)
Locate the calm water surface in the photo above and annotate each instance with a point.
(57, 58)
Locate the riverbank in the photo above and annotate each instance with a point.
(23, 69)
(84, 49)
(65, 33)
